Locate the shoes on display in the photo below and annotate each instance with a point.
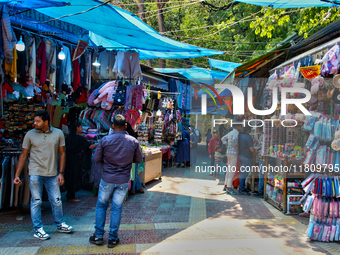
(95, 240)
(112, 243)
(64, 228)
(41, 234)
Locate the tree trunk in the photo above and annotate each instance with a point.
(141, 14)
(161, 25)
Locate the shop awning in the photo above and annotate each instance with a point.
(290, 3)
(311, 52)
(196, 74)
(223, 65)
(120, 26)
(32, 4)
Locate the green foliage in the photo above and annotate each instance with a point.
(241, 30)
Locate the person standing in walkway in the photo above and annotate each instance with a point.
(193, 146)
(231, 140)
(75, 144)
(261, 163)
(208, 136)
(117, 152)
(215, 141)
(246, 150)
(183, 149)
(44, 142)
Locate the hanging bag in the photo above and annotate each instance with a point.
(120, 97)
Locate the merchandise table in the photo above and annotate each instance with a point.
(152, 167)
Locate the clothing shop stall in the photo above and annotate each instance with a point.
(41, 71)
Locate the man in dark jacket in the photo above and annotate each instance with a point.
(117, 152)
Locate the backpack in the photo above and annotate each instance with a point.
(120, 97)
(199, 135)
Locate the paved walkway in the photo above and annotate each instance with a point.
(185, 213)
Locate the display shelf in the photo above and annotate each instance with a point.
(274, 203)
(270, 161)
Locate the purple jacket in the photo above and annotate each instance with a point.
(117, 152)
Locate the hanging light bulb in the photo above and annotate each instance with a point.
(61, 54)
(20, 46)
(96, 63)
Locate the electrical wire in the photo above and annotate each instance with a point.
(69, 15)
(244, 19)
(174, 9)
(234, 23)
(231, 42)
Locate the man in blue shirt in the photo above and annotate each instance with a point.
(117, 152)
(246, 150)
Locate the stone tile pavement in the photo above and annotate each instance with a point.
(185, 213)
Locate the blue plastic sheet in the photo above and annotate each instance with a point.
(288, 3)
(223, 65)
(32, 4)
(197, 74)
(120, 26)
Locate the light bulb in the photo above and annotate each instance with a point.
(20, 46)
(61, 54)
(96, 63)
(158, 113)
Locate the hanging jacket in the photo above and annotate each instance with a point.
(8, 36)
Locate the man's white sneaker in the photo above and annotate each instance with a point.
(64, 228)
(41, 234)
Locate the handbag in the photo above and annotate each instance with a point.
(120, 97)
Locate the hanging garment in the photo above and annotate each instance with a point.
(41, 63)
(135, 69)
(76, 74)
(83, 70)
(33, 62)
(51, 63)
(8, 36)
(65, 68)
(11, 68)
(103, 69)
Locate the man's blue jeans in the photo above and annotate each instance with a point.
(118, 193)
(245, 168)
(261, 177)
(36, 186)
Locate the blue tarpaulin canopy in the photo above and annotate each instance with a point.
(124, 28)
(223, 65)
(290, 3)
(197, 74)
(32, 4)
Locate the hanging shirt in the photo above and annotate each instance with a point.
(41, 63)
(66, 68)
(33, 62)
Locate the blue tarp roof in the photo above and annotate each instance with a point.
(288, 3)
(197, 74)
(223, 65)
(125, 28)
(32, 4)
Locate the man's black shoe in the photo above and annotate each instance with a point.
(112, 243)
(95, 240)
(245, 193)
(258, 195)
